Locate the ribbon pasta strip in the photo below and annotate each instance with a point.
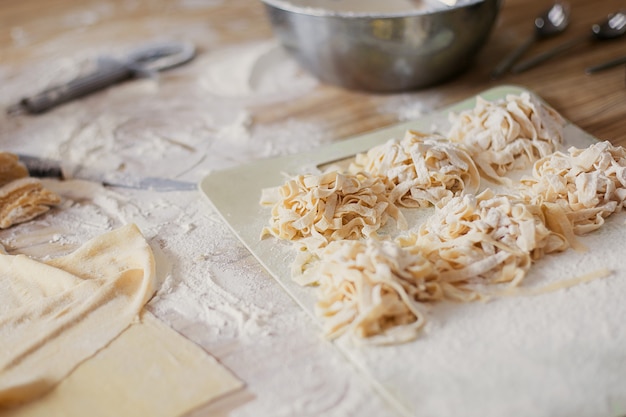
(372, 290)
(587, 185)
(377, 289)
(423, 169)
(506, 135)
(314, 210)
(484, 239)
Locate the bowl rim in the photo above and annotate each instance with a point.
(288, 6)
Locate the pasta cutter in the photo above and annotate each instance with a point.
(49, 168)
(142, 62)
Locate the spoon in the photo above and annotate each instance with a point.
(611, 28)
(551, 22)
(144, 61)
(606, 65)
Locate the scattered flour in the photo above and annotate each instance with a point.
(408, 107)
(186, 123)
(259, 70)
(199, 4)
(182, 125)
(133, 126)
(89, 15)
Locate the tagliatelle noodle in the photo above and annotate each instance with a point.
(372, 289)
(483, 239)
(423, 169)
(375, 289)
(508, 134)
(587, 184)
(314, 210)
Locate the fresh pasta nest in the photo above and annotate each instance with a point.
(314, 210)
(588, 184)
(374, 288)
(506, 135)
(421, 170)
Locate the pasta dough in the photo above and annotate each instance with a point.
(11, 168)
(314, 210)
(484, 239)
(56, 314)
(21, 198)
(374, 288)
(588, 184)
(166, 374)
(24, 199)
(508, 134)
(422, 169)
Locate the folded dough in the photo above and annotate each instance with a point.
(57, 313)
(166, 374)
(11, 168)
(24, 199)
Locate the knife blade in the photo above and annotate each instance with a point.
(50, 168)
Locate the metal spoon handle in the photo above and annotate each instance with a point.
(512, 58)
(108, 73)
(606, 65)
(42, 167)
(538, 59)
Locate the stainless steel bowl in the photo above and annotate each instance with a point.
(383, 52)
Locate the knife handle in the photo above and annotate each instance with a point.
(42, 167)
(109, 72)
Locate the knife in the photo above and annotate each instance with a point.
(49, 168)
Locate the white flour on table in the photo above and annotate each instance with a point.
(187, 124)
(133, 126)
(213, 291)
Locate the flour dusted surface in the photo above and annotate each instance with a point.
(218, 296)
(486, 358)
(211, 289)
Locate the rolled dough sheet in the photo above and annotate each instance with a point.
(148, 370)
(57, 313)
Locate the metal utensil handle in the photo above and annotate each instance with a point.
(510, 59)
(109, 72)
(566, 46)
(606, 65)
(41, 167)
(160, 56)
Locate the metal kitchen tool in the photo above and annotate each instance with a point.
(613, 27)
(550, 23)
(142, 62)
(382, 51)
(48, 168)
(606, 65)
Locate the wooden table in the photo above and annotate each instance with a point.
(596, 103)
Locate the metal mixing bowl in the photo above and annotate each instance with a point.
(383, 52)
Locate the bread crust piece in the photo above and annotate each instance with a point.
(11, 168)
(24, 199)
